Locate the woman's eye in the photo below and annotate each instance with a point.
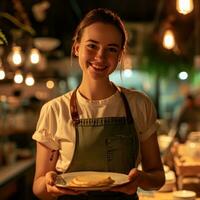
(112, 49)
(91, 46)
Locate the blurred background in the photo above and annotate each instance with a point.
(163, 60)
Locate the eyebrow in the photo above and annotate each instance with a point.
(112, 44)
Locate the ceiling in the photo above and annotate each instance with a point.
(59, 18)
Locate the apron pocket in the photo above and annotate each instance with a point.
(120, 153)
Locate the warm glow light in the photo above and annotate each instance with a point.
(16, 56)
(168, 40)
(18, 78)
(183, 75)
(34, 56)
(184, 6)
(2, 73)
(29, 80)
(50, 84)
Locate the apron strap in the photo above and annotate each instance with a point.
(127, 107)
(74, 109)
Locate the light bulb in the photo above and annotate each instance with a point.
(16, 56)
(184, 6)
(2, 73)
(168, 39)
(18, 78)
(183, 75)
(29, 80)
(34, 56)
(50, 84)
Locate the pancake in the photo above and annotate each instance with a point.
(93, 180)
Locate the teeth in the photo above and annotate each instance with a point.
(97, 67)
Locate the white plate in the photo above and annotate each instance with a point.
(119, 179)
(184, 195)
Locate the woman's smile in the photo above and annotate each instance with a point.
(99, 68)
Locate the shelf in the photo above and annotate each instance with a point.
(9, 172)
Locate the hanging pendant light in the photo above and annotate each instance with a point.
(18, 78)
(184, 6)
(29, 80)
(34, 56)
(16, 56)
(168, 39)
(2, 73)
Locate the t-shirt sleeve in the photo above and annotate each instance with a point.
(46, 127)
(145, 116)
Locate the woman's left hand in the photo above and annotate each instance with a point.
(50, 178)
(130, 187)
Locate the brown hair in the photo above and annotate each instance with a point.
(100, 15)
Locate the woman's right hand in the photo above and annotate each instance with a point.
(55, 191)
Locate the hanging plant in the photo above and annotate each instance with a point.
(3, 39)
(14, 20)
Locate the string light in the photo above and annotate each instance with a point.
(16, 59)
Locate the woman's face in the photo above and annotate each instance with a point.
(99, 50)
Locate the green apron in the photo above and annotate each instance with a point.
(107, 144)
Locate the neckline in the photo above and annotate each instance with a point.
(78, 91)
(74, 108)
(82, 99)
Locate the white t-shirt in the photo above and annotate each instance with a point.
(55, 129)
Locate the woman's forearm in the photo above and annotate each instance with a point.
(151, 180)
(39, 189)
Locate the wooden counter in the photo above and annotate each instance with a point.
(157, 196)
(16, 180)
(10, 172)
(185, 165)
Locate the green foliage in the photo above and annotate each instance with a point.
(164, 63)
(15, 21)
(3, 39)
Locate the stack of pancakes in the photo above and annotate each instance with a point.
(93, 180)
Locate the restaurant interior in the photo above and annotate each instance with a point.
(162, 60)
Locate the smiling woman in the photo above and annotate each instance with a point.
(99, 126)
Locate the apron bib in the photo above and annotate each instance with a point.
(107, 144)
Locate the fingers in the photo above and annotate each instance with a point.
(50, 178)
(55, 191)
(129, 188)
(59, 192)
(63, 191)
(133, 174)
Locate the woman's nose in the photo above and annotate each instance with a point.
(100, 54)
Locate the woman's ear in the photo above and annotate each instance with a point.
(76, 49)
